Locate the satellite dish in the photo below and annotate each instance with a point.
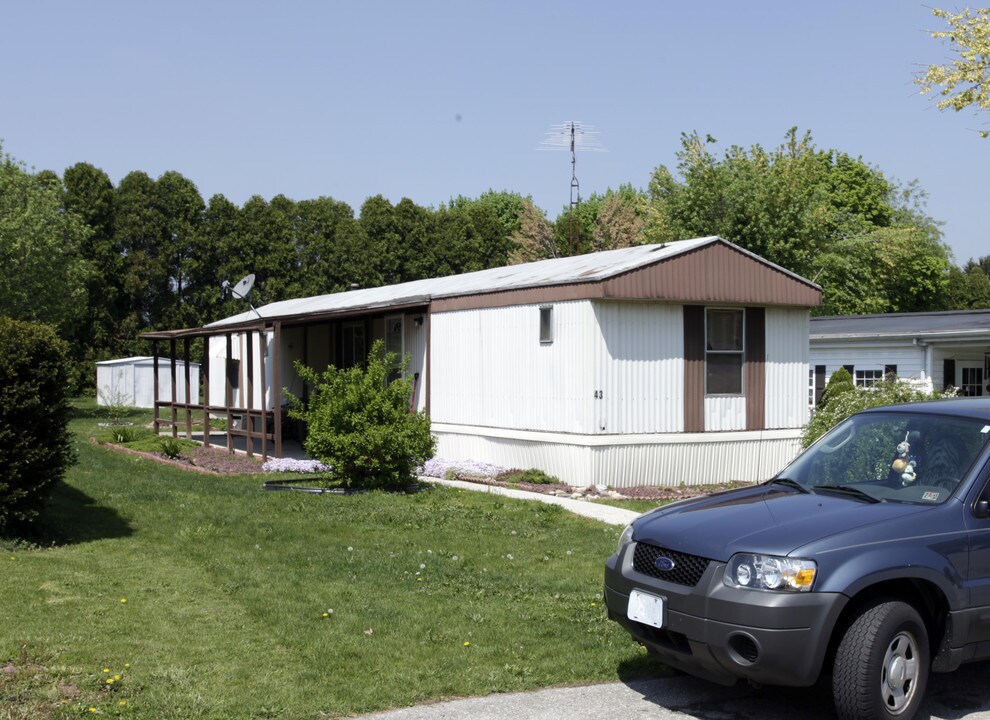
(241, 290)
(243, 287)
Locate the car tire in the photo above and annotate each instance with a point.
(882, 663)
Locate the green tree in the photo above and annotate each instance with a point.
(964, 83)
(359, 423)
(44, 275)
(820, 213)
(89, 194)
(535, 238)
(182, 208)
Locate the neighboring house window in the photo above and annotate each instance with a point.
(972, 382)
(546, 325)
(866, 378)
(723, 351)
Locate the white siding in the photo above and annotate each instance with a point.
(786, 402)
(262, 381)
(657, 460)
(489, 368)
(131, 381)
(414, 345)
(640, 367)
(724, 412)
(871, 355)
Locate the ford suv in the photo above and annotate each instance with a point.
(867, 558)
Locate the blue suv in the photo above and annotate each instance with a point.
(867, 558)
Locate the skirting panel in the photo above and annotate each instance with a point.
(747, 457)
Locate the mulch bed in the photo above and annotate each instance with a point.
(211, 461)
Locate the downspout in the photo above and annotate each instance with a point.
(929, 358)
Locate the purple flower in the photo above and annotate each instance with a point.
(438, 467)
(276, 465)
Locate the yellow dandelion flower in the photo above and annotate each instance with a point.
(109, 681)
(116, 677)
(123, 601)
(127, 665)
(92, 709)
(467, 643)
(122, 702)
(326, 614)
(106, 670)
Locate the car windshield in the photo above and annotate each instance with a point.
(892, 456)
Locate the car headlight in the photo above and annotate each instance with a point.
(625, 538)
(769, 572)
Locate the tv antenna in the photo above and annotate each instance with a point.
(572, 135)
(240, 290)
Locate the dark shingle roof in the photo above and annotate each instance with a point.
(952, 322)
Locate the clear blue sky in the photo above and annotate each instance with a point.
(430, 100)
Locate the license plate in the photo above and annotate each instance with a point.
(645, 608)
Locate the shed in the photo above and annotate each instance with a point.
(131, 382)
(929, 349)
(658, 364)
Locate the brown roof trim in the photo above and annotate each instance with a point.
(715, 272)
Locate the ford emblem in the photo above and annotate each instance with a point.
(664, 564)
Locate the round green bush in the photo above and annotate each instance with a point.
(35, 444)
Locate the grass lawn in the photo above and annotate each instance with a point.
(210, 598)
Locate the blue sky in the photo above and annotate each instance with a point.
(434, 99)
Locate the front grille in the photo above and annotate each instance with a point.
(687, 569)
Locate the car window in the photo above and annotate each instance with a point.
(906, 457)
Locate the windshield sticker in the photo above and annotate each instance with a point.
(932, 496)
(986, 429)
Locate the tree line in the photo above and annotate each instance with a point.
(104, 262)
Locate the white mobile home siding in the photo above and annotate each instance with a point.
(639, 368)
(489, 368)
(786, 402)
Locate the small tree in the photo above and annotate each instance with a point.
(839, 382)
(361, 425)
(35, 443)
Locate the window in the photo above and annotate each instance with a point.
(546, 325)
(866, 378)
(723, 351)
(972, 382)
(354, 349)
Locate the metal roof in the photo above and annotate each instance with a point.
(589, 268)
(896, 325)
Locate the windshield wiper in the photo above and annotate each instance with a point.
(789, 483)
(851, 490)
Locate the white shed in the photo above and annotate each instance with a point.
(131, 381)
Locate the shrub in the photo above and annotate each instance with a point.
(840, 405)
(361, 426)
(35, 444)
(840, 382)
(533, 476)
(170, 447)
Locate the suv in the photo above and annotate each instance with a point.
(868, 556)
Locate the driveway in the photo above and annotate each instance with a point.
(957, 695)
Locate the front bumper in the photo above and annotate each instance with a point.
(724, 634)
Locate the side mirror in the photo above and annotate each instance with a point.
(982, 508)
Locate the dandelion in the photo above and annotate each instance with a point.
(106, 670)
(422, 566)
(127, 665)
(122, 702)
(92, 710)
(467, 643)
(455, 558)
(429, 552)
(568, 552)
(109, 681)
(123, 601)
(350, 549)
(116, 677)
(419, 579)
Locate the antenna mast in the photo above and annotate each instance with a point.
(574, 136)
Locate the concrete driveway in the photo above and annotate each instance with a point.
(963, 694)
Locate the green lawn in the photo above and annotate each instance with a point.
(213, 599)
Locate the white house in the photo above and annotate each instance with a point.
(131, 381)
(934, 350)
(658, 364)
